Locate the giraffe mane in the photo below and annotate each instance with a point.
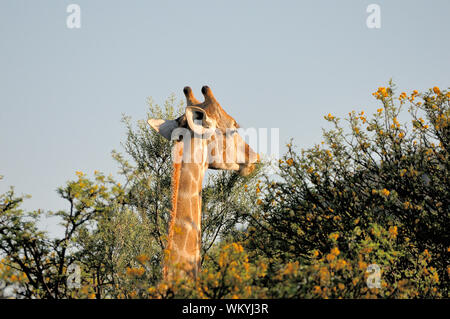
(175, 185)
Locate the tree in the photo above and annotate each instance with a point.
(364, 214)
(376, 193)
(115, 232)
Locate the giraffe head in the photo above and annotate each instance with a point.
(207, 124)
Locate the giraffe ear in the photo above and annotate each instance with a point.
(163, 127)
(199, 122)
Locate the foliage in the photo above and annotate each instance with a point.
(114, 232)
(374, 195)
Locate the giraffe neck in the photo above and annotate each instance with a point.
(184, 242)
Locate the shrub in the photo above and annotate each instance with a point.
(376, 192)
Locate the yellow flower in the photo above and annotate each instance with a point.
(393, 232)
(435, 277)
(396, 123)
(427, 254)
(142, 258)
(436, 90)
(135, 271)
(335, 251)
(317, 290)
(238, 247)
(334, 236)
(362, 265)
(290, 161)
(379, 110)
(382, 91)
(341, 263)
(385, 192)
(129, 271)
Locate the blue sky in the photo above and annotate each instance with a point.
(281, 64)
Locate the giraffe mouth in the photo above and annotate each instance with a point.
(247, 169)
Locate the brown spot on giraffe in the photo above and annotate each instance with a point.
(205, 137)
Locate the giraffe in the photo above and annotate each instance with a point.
(205, 137)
